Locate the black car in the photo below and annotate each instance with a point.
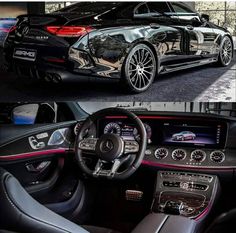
(64, 169)
(131, 42)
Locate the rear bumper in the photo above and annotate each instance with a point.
(69, 70)
(56, 74)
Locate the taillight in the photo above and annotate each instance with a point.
(68, 31)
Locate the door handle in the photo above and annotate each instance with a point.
(37, 167)
(190, 27)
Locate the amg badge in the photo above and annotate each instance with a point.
(25, 54)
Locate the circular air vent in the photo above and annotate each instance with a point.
(179, 154)
(198, 156)
(161, 153)
(217, 156)
(77, 127)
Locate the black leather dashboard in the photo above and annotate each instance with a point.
(209, 144)
(163, 151)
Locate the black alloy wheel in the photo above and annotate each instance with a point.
(226, 52)
(140, 69)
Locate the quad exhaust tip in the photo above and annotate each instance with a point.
(53, 78)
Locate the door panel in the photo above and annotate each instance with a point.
(199, 39)
(41, 157)
(33, 153)
(36, 182)
(168, 40)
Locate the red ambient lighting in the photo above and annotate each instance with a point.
(32, 154)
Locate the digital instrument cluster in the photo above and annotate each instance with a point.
(126, 131)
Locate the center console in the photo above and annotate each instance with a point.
(181, 202)
(186, 194)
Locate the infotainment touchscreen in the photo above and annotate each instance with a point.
(192, 134)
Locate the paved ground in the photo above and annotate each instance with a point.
(208, 83)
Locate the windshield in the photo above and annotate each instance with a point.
(225, 109)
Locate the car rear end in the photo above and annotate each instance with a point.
(38, 45)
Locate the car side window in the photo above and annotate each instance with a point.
(158, 7)
(142, 9)
(180, 8)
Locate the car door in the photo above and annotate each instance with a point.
(200, 37)
(40, 155)
(162, 34)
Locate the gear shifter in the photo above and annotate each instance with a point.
(173, 207)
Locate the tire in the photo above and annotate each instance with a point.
(226, 52)
(139, 69)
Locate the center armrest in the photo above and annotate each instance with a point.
(161, 223)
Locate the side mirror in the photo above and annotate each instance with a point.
(25, 114)
(205, 18)
(196, 22)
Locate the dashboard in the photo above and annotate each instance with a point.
(182, 141)
(189, 141)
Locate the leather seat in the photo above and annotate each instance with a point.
(224, 223)
(21, 213)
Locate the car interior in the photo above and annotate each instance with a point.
(117, 167)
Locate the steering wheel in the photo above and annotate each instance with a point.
(111, 150)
